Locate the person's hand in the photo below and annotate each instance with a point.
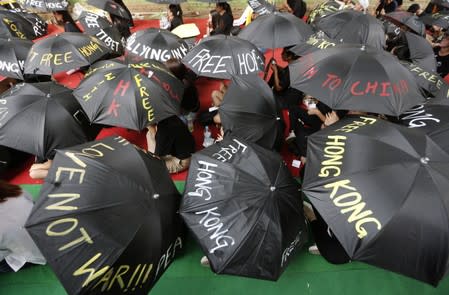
(331, 118)
(273, 67)
(220, 135)
(40, 170)
(312, 111)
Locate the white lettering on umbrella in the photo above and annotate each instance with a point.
(211, 221)
(160, 54)
(11, 66)
(418, 116)
(103, 36)
(91, 20)
(227, 152)
(203, 180)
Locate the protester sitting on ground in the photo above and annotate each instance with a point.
(327, 245)
(212, 22)
(172, 141)
(225, 20)
(441, 51)
(211, 116)
(296, 7)
(286, 96)
(174, 14)
(65, 20)
(415, 9)
(190, 101)
(17, 249)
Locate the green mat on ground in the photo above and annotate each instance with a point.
(307, 274)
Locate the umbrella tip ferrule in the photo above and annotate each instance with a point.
(156, 196)
(272, 188)
(424, 160)
(48, 95)
(363, 48)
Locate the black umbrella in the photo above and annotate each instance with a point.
(14, 25)
(352, 26)
(64, 52)
(45, 5)
(261, 7)
(421, 52)
(317, 41)
(156, 44)
(437, 19)
(222, 57)
(359, 78)
(13, 53)
(428, 117)
(115, 93)
(382, 189)
(244, 208)
(428, 80)
(39, 24)
(275, 30)
(41, 117)
(111, 7)
(107, 210)
(249, 111)
(407, 21)
(103, 30)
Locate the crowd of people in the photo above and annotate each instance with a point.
(171, 139)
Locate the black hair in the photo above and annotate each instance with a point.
(175, 9)
(413, 8)
(226, 7)
(67, 18)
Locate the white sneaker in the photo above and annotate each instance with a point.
(290, 136)
(204, 261)
(314, 250)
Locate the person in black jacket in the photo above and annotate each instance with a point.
(63, 18)
(175, 16)
(226, 19)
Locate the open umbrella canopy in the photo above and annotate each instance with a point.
(382, 189)
(349, 77)
(249, 111)
(106, 211)
(14, 25)
(111, 7)
(45, 5)
(222, 57)
(13, 53)
(276, 30)
(421, 52)
(129, 95)
(38, 118)
(428, 117)
(407, 21)
(315, 42)
(95, 25)
(244, 208)
(428, 80)
(436, 19)
(350, 26)
(156, 44)
(64, 52)
(39, 24)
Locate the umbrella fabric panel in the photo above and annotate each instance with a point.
(429, 236)
(276, 30)
(338, 77)
(223, 57)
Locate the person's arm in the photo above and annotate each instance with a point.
(286, 6)
(276, 81)
(317, 112)
(331, 118)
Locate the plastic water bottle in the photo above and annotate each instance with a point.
(208, 140)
